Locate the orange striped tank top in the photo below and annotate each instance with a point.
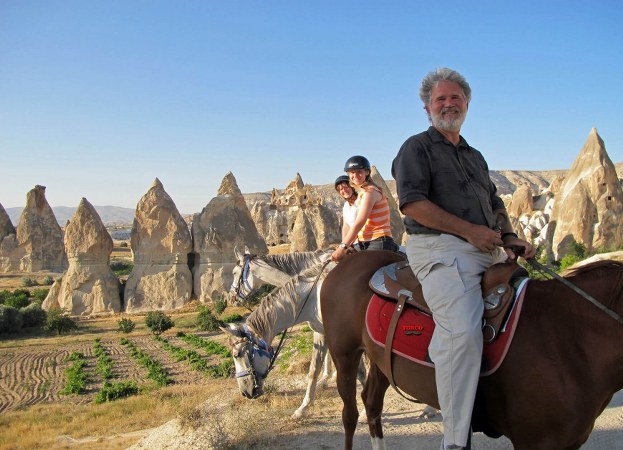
(378, 223)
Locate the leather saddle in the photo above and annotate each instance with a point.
(398, 283)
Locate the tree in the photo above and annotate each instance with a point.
(158, 322)
(126, 325)
(58, 320)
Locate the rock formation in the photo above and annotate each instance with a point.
(89, 286)
(8, 240)
(160, 242)
(281, 221)
(224, 223)
(38, 241)
(589, 203)
(521, 202)
(397, 223)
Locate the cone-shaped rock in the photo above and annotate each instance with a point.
(522, 201)
(160, 243)
(38, 243)
(224, 223)
(89, 286)
(589, 203)
(397, 224)
(302, 237)
(6, 227)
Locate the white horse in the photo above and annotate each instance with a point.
(252, 272)
(294, 302)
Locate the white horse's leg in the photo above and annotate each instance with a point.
(378, 443)
(318, 353)
(328, 373)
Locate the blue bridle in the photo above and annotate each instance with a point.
(257, 347)
(243, 280)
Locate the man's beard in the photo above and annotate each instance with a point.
(451, 124)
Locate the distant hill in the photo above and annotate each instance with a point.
(110, 215)
(505, 180)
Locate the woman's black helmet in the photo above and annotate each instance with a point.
(356, 162)
(341, 179)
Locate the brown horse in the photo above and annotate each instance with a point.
(561, 371)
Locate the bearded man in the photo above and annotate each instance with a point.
(451, 210)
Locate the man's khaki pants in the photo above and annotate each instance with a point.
(450, 271)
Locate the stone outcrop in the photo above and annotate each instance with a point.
(589, 203)
(89, 286)
(281, 221)
(521, 202)
(396, 220)
(224, 223)
(8, 241)
(160, 242)
(38, 241)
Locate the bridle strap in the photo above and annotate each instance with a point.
(285, 332)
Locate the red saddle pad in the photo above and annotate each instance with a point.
(415, 330)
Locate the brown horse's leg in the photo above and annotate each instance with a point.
(347, 366)
(373, 395)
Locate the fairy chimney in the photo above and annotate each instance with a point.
(223, 224)
(89, 287)
(160, 242)
(396, 221)
(8, 242)
(302, 237)
(39, 238)
(589, 203)
(521, 202)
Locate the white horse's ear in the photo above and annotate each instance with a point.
(246, 250)
(239, 256)
(232, 329)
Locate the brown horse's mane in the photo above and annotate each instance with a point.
(600, 269)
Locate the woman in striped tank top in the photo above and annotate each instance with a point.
(372, 227)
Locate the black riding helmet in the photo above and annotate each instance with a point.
(341, 179)
(356, 162)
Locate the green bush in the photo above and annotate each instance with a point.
(158, 322)
(11, 319)
(33, 315)
(235, 317)
(29, 282)
(126, 326)
(4, 294)
(219, 305)
(114, 391)
(76, 377)
(39, 295)
(121, 268)
(58, 320)
(19, 300)
(48, 280)
(207, 321)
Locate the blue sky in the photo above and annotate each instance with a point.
(98, 98)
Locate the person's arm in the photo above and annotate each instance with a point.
(509, 237)
(368, 199)
(432, 216)
(345, 229)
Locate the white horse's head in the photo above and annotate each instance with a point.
(252, 359)
(244, 283)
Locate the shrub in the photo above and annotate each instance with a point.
(19, 300)
(39, 295)
(76, 377)
(114, 391)
(158, 322)
(235, 317)
(48, 281)
(33, 315)
(4, 294)
(29, 282)
(11, 319)
(126, 326)
(568, 261)
(121, 268)
(219, 305)
(58, 320)
(207, 321)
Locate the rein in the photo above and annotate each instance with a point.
(518, 250)
(285, 332)
(545, 271)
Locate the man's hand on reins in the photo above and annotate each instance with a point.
(516, 247)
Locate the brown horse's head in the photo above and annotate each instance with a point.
(252, 359)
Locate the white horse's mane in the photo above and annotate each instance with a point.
(294, 263)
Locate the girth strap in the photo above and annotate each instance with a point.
(389, 340)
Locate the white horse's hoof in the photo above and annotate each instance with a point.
(363, 417)
(299, 413)
(429, 412)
